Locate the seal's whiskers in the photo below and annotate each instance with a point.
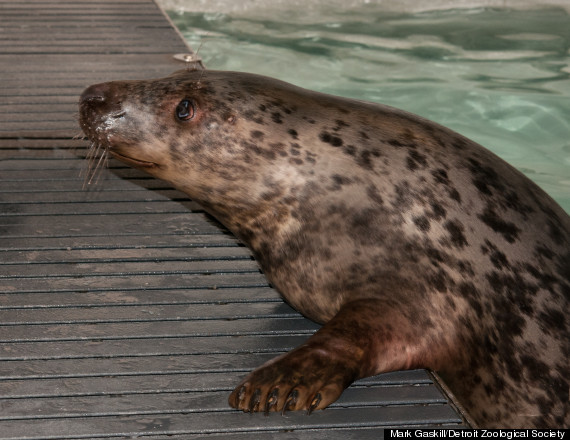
(97, 159)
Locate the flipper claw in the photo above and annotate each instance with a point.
(314, 403)
(254, 401)
(291, 401)
(272, 400)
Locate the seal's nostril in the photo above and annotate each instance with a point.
(95, 93)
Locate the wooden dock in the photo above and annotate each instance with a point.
(125, 311)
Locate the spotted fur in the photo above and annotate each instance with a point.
(414, 246)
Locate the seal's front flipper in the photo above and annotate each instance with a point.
(366, 337)
(306, 378)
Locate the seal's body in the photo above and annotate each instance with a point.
(416, 247)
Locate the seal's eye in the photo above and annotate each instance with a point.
(185, 110)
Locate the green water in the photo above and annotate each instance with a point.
(500, 77)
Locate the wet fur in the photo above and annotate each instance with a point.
(414, 245)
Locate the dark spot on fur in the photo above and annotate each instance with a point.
(364, 160)
(514, 292)
(273, 193)
(498, 258)
(545, 252)
(276, 117)
(435, 255)
(440, 281)
(293, 133)
(469, 291)
(350, 150)
(440, 176)
(296, 161)
(339, 181)
(256, 134)
(553, 319)
(454, 195)
(450, 303)
(508, 230)
(415, 160)
(459, 144)
(259, 150)
(340, 124)
(262, 107)
(253, 116)
(484, 177)
(310, 157)
(555, 232)
(363, 225)
(546, 281)
(328, 138)
(438, 212)
(395, 143)
(404, 197)
(374, 195)
(465, 268)
(279, 148)
(455, 229)
(422, 223)
(512, 201)
(534, 367)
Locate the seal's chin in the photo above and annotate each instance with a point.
(137, 163)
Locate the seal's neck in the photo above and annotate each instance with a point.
(250, 222)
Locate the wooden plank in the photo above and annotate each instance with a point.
(16, 148)
(121, 404)
(149, 329)
(45, 201)
(87, 282)
(73, 181)
(132, 268)
(105, 195)
(143, 313)
(182, 420)
(111, 243)
(90, 208)
(106, 224)
(127, 298)
(153, 383)
(52, 350)
(353, 433)
(20, 260)
(102, 67)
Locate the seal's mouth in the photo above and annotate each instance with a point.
(132, 161)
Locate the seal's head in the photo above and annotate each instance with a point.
(149, 124)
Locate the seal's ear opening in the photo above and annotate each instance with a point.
(185, 110)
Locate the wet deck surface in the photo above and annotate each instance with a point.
(125, 311)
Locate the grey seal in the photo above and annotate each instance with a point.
(414, 246)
